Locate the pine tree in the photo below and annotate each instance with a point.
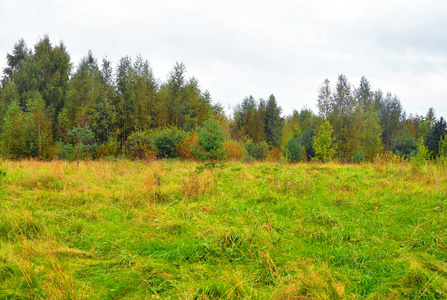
(273, 123)
(83, 140)
(210, 140)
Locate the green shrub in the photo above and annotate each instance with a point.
(138, 146)
(405, 145)
(165, 140)
(295, 150)
(257, 151)
(111, 148)
(359, 157)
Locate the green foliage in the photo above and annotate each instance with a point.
(390, 113)
(371, 144)
(323, 143)
(442, 157)
(295, 150)
(273, 123)
(66, 151)
(434, 136)
(249, 120)
(38, 125)
(139, 146)
(9, 95)
(256, 151)
(210, 140)
(359, 157)
(405, 145)
(13, 132)
(165, 140)
(83, 139)
(109, 149)
(160, 143)
(307, 138)
(422, 155)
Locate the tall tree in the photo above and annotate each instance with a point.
(323, 143)
(38, 126)
(325, 100)
(341, 118)
(391, 117)
(435, 135)
(18, 55)
(364, 95)
(13, 132)
(273, 123)
(9, 95)
(371, 138)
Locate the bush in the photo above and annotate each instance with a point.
(165, 140)
(138, 146)
(257, 151)
(183, 149)
(295, 150)
(405, 145)
(111, 148)
(235, 150)
(359, 157)
(275, 155)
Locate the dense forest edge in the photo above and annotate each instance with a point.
(46, 104)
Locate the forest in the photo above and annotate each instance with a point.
(129, 113)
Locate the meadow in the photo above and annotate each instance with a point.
(134, 230)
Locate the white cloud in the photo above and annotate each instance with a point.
(237, 48)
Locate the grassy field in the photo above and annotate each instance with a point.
(128, 230)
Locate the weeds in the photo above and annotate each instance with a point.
(261, 231)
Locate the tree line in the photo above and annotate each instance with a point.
(128, 112)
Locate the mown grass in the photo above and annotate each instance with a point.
(129, 230)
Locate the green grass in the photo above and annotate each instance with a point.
(128, 230)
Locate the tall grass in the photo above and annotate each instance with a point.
(112, 230)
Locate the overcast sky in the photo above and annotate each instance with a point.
(238, 48)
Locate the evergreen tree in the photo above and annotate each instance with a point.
(434, 136)
(295, 150)
(405, 144)
(273, 123)
(19, 53)
(83, 140)
(210, 142)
